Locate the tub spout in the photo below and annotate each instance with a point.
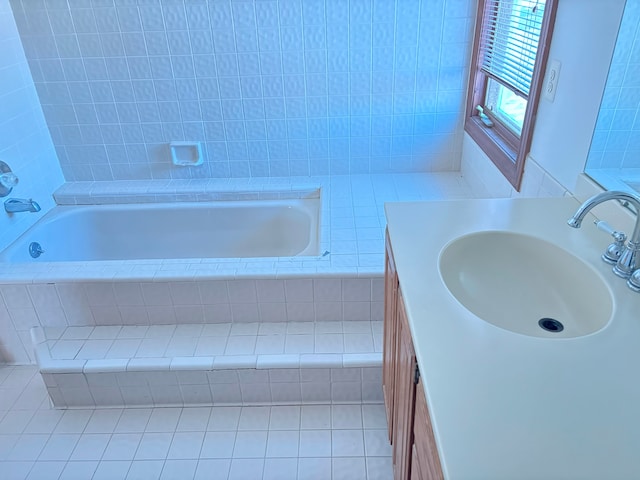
(15, 205)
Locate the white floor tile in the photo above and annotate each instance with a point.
(133, 420)
(46, 471)
(113, 470)
(315, 469)
(282, 443)
(315, 443)
(163, 420)
(28, 447)
(346, 416)
(379, 468)
(154, 446)
(73, 421)
(347, 443)
(250, 444)
(212, 443)
(218, 445)
(280, 469)
(224, 419)
(16, 470)
(179, 469)
(17, 421)
(374, 416)
(145, 470)
(78, 470)
(122, 446)
(44, 421)
(348, 469)
(59, 447)
(376, 443)
(254, 418)
(186, 445)
(90, 446)
(285, 418)
(246, 468)
(315, 417)
(194, 419)
(103, 421)
(212, 469)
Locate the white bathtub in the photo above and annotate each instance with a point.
(233, 229)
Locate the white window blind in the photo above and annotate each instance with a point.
(509, 42)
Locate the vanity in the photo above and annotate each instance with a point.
(477, 383)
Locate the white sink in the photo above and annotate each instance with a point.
(526, 285)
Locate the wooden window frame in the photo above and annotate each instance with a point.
(505, 149)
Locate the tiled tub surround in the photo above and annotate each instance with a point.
(215, 364)
(271, 88)
(338, 292)
(344, 285)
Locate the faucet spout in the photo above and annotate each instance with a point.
(16, 205)
(629, 261)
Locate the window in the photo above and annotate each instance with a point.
(510, 49)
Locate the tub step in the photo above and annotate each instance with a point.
(211, 364)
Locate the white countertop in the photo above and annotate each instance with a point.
(505, 405)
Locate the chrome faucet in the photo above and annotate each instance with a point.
(15, 205)
(628, 265)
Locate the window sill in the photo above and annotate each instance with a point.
(499, 151)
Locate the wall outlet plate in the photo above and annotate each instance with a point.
(551, 80)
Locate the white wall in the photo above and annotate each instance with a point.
(25, 145)
(583, 41)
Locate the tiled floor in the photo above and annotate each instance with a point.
(245, 443)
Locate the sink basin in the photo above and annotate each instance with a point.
(526, 285)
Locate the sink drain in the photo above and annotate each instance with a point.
(550, 325)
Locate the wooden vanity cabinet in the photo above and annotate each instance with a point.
(414, 451)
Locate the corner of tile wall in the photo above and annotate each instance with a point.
(25, 143)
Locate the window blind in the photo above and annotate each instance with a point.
(509, 41)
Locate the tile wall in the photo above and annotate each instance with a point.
(25, 144)
(272, 88)
(157, 303)
(616, 140)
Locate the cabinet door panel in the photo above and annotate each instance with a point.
(404, 397)
(425, 451)
(389, 337)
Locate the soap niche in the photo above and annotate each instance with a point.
(186, 154)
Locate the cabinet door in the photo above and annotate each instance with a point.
(389, 337)
(425, 451)
(404, 400)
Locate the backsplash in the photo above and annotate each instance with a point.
(271, 88)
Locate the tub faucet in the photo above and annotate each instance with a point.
(15, 205)
(628, 265)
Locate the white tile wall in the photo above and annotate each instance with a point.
(25, 143)
(274, 88)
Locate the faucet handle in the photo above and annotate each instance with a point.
(614, 250)
(634, 281)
